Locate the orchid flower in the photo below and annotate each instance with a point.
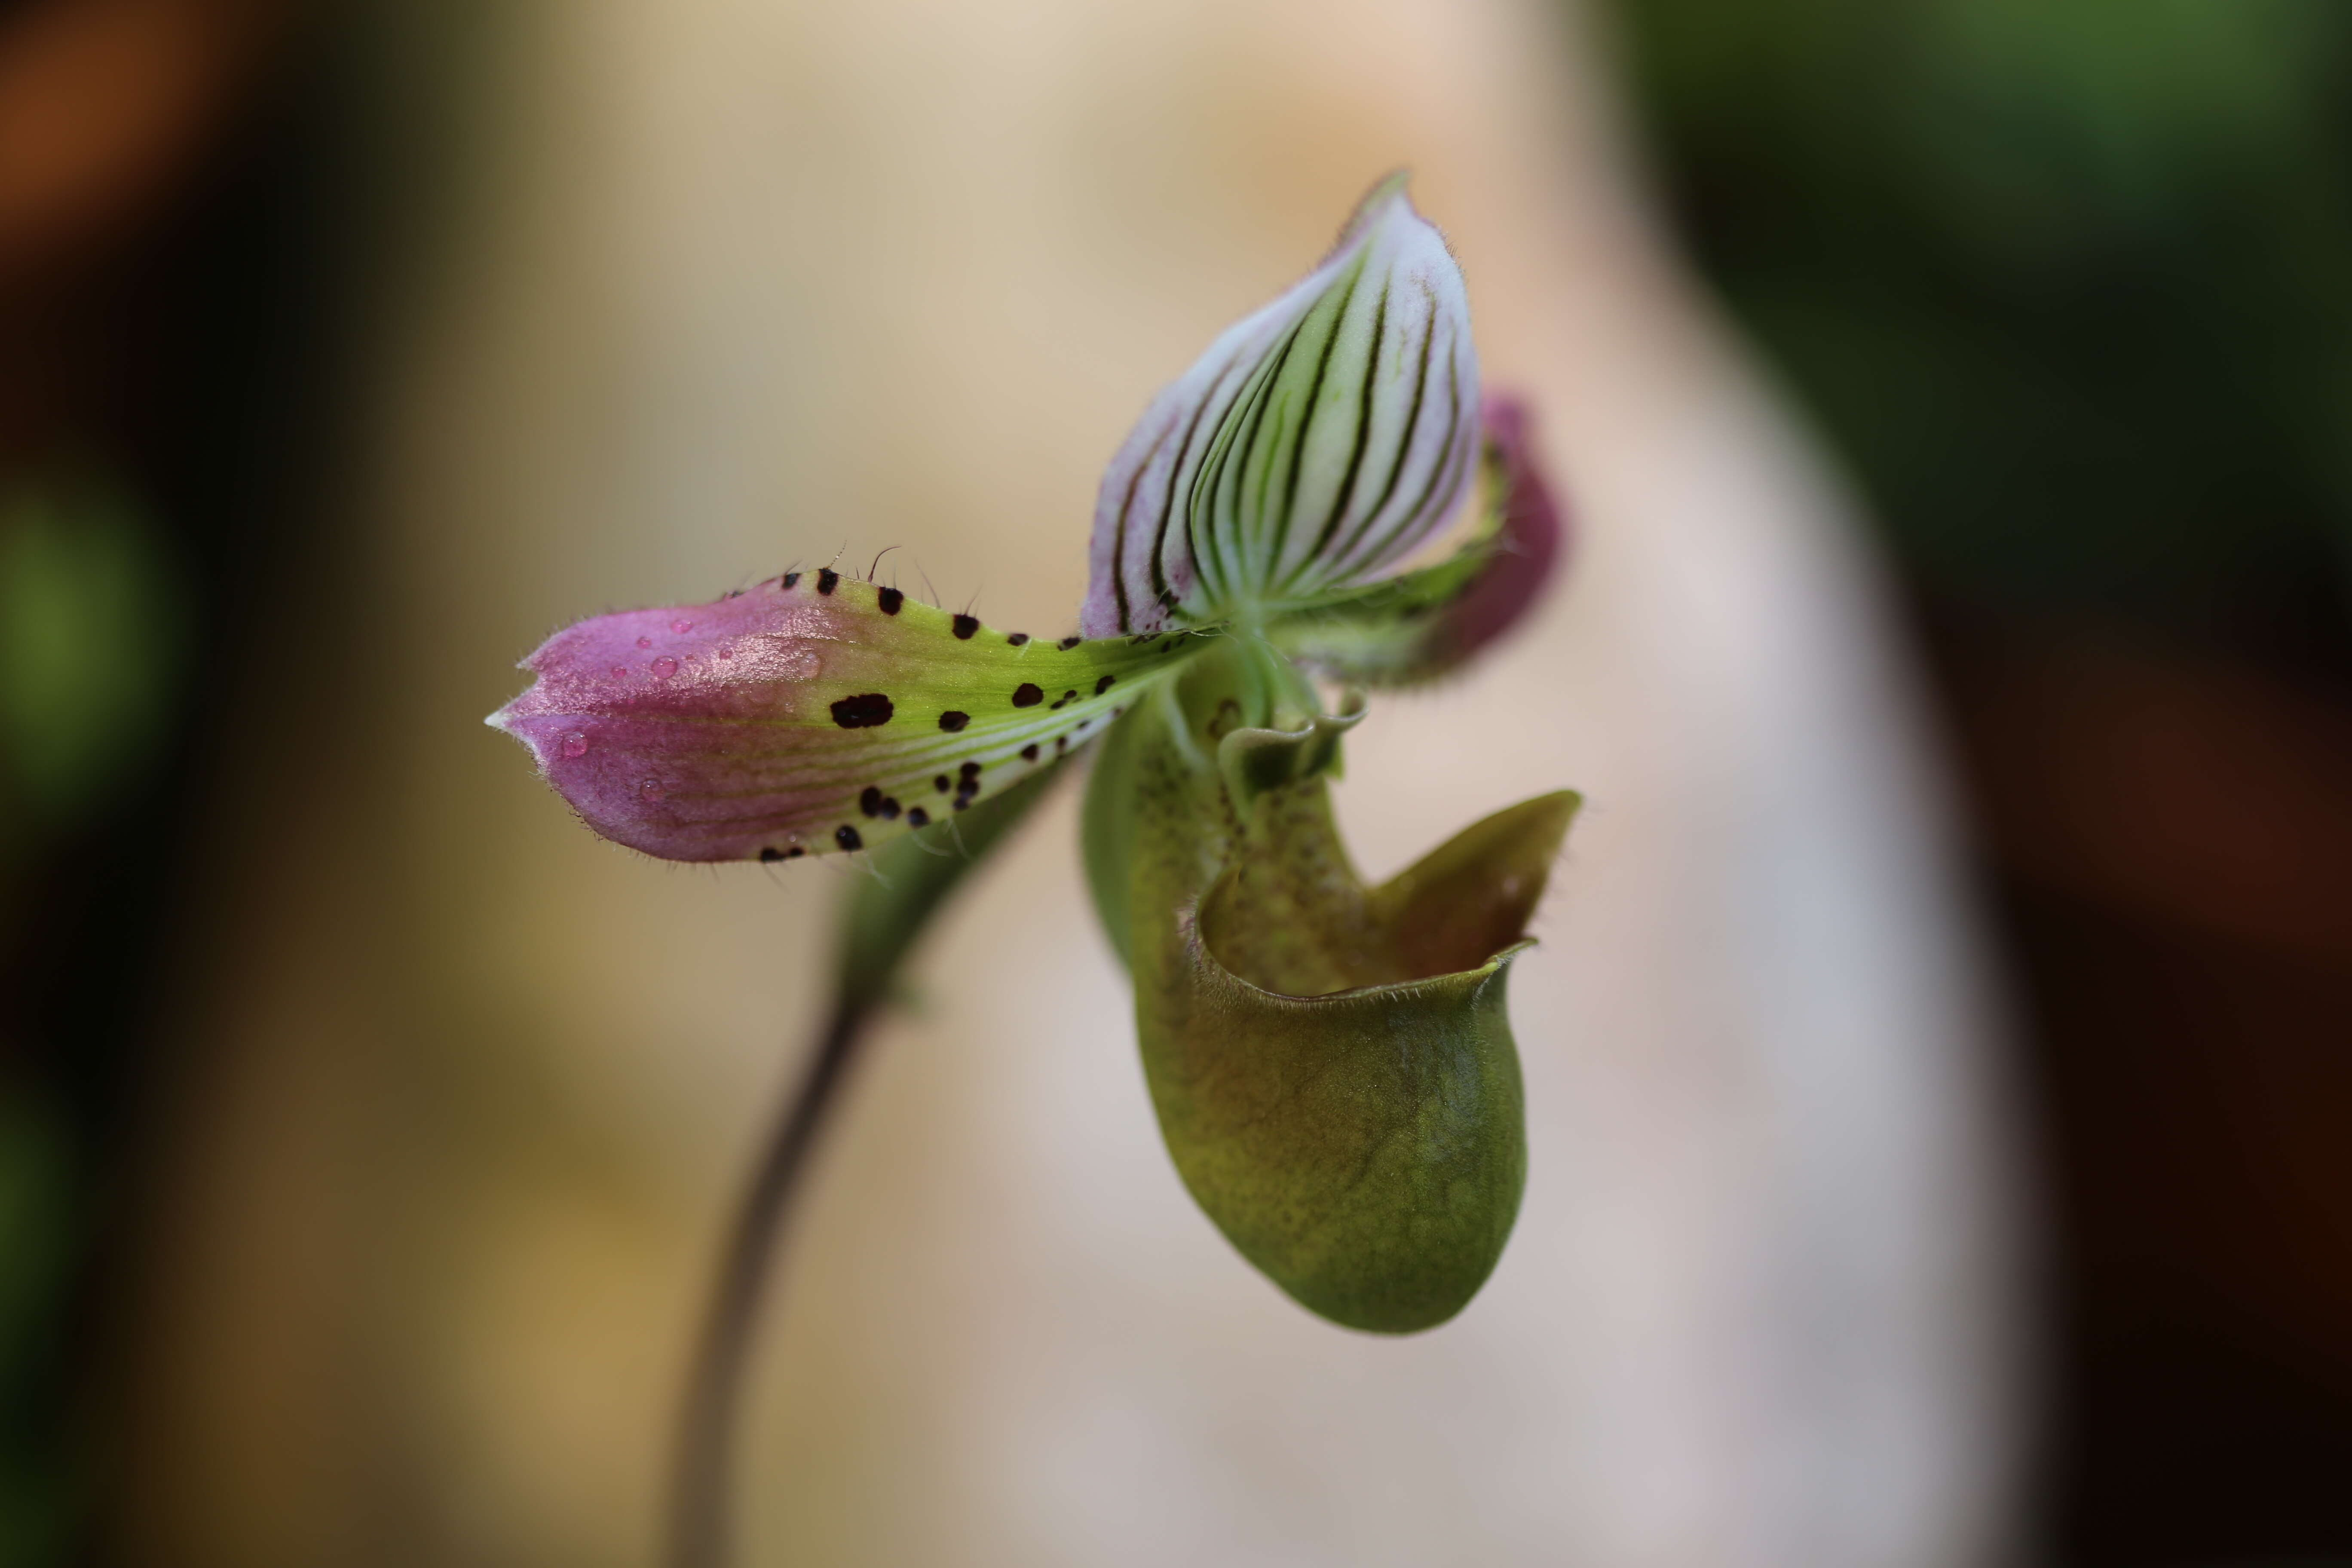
(1332, 1065)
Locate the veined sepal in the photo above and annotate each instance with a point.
(1317, 442)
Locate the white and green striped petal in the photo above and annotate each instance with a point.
(1317, 442)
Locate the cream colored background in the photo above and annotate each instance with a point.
(742, 283)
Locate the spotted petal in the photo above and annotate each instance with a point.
(1317, 442)
(812, 713)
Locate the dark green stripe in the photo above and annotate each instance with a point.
(1126, 506)
(1437, 470)
(1223, 456)
(1306, 423)
(1208, 561)
(1412, 425)
(1346, 496)
(1167, 505)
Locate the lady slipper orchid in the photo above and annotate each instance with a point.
(1330, 1063)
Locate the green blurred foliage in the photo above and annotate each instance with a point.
(2068, 281)
(90, 634)
(88, 631)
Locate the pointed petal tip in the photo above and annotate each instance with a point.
(1503, 960)
(530, 737)
(1552, 814)
(1390, 191)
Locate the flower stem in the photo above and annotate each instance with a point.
(702, 1484)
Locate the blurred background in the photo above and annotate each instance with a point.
(1947, 1028)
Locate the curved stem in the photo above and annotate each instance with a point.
(702, 1489)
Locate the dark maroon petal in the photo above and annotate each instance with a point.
(1526, 548)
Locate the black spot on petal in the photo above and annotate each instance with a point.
(940, 784)
(918, 817)
(1017, 638)
(890, 808)
(1104, 684)
(791, 578)
(1067, 644)
(863, 711)
(795, 853)
(965, 626)
(1028, 694)
(870, 802)
(961, 801)
(827, 580)
(1069, 697)
(969, 771)
(890, 599)
(953, 720)
(769, 852)
(1029, 752)
(1061, 744)
(847, 837)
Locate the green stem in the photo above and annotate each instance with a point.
(884, 913)
(701, 1500)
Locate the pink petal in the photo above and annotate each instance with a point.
(808, 714)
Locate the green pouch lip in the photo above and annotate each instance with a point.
(1198, 943)
(1364, 1149)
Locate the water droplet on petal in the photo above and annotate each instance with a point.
(725, 651)
(618, 671)
(681, 627)
(575, 744)
(651, 790)
(644, 642)
(664, 667)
